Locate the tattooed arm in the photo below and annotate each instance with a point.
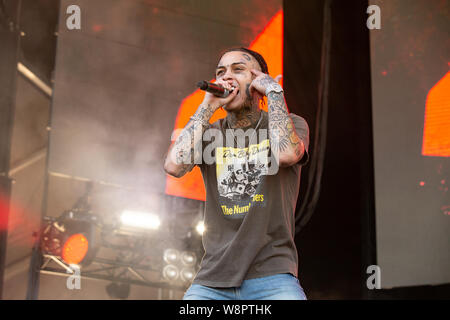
(284, 140)
(187, 151)
(188, 145)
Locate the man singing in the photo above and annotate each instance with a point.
(249, 215)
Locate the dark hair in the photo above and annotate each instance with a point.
(254, 54)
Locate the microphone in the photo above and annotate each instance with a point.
(214, 88)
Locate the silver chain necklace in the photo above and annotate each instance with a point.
(256, 128)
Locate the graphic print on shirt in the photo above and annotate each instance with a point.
(240, 174)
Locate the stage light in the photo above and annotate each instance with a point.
(188, 258)
(140, 220)
(74, 237)
(171, 255)
(200, 227)
(75, 249)
(170, 272)
(179, 268)
(187, 274)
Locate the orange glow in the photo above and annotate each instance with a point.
(18, 221)
(269, 43)
(436, 133)
(75, 249)
(97, 28)
(4, 212)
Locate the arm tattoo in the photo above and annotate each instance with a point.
(283, 137)
(187, 147)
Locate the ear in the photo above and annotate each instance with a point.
(257, 96)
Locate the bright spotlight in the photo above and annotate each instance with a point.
(141, 220)
(75, 249)
(200, 227)
(187, 274)
(171, 255)
(188, 258)
(170, 272)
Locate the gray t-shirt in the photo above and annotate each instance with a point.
(249, 212)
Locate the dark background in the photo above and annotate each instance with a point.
(333, 245)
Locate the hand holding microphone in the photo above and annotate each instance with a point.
(214, 88)
(218, 94)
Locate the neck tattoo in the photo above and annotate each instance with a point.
(245, 142)
(243, 118)
(247, 116)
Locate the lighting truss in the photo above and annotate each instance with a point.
(106, 270)
(124, 257)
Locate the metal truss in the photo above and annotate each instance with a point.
(110, 270)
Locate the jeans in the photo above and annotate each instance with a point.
(277, 287)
